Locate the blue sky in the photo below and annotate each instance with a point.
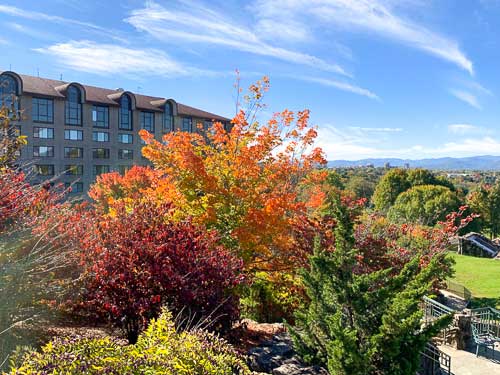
(382, 78)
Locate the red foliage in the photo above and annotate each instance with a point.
(382, 244)
(21, 203)
(136, 262)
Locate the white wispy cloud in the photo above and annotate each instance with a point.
(377, 130)
(186, 21)
(98, 58)
(476, 86)
(39, 16)
(344, 86)
(34, 33)
(462, 128)
(351, 144)
(469, 129)
(377, 17)
(466, 97)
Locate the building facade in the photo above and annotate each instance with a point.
(76, 132)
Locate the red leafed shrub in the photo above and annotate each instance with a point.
(21, 203)
(136, 262)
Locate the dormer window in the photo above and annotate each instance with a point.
(8, 92)
(168, 119)
(73, 106)
(148, 121)
(125, 118)
(187, 124)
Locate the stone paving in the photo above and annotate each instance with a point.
(466, 363)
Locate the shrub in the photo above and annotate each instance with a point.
(135, 262)
(159, 350)
(272, 297)
(367, 323)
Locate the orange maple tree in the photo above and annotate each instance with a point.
(242, 181)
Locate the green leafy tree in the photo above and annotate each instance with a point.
(361, 187)
(397, 181)
(363, 323)
(485, 201)
(424, 204)
(389, 187)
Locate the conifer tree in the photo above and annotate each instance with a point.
(359, 324)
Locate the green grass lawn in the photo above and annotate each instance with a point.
(481, 276)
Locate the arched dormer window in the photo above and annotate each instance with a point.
(8, 92)
(73, 106)
(125, 118)
(168, 119)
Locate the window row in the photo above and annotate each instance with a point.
(43, 112)
(77, 152)
(77, 135)
(75, 169)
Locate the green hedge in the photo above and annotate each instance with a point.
(160, 350)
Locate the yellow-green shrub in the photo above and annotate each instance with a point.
(160, 350)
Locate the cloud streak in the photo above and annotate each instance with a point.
(466, 97)
(195, 23)
(351, 144)
(462, 128)
(39, 16)
(344, 86)
(376, 17)
(88, 56)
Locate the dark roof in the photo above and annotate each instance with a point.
(49, 87)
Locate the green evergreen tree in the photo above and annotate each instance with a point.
(359, 324)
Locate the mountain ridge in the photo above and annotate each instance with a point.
(477, 163)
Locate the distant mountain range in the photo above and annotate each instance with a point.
(483, 163)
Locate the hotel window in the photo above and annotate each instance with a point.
(100, 136)
(44, 169)
(207, 126)
(100, 169)
(45, 133)
(187, 124)
(73, 135)
(73, 170)
(43, 151)
(100, 153)
(122, 169)
(100, 116)
(73, 106)
(125, 117)
(125, 154)
(42, 110)
(73, 152)
(168, 118)
(8, 92)
(76, 187)
(125, 138)
(148, 121)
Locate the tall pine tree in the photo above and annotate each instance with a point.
(359, 324)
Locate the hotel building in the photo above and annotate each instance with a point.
(76, 131)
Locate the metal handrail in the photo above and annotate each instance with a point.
(435, 308)
(434, 361)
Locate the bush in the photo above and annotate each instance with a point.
(368, 323)
(135, 262)
(159, 350)
(272, 297)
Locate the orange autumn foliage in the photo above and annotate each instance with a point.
(243, 182)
